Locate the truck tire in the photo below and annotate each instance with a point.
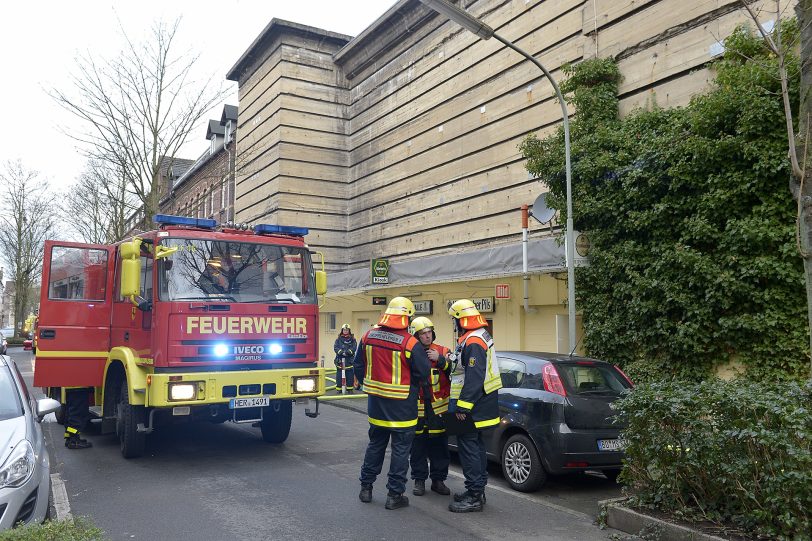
(276, 421)
(127, 419)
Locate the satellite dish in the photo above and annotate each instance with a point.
(540, 211)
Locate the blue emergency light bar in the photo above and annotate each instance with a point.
(280, 229)
(168, 219)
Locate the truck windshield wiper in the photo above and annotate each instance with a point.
(210, 299)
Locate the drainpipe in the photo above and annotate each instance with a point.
(525, 277)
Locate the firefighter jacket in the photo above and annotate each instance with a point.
(342, 345)
(475, 379)
(392, 365)
(440, 389)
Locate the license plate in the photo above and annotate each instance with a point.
(237, 403)
(611, 445)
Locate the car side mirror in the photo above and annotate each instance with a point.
(46, 406)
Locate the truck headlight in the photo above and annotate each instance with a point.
(182, 391)
(19, 466)
(305, 384)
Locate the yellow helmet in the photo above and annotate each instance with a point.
(420, 323)
(346, 326)
(397, 314)
(466, 312)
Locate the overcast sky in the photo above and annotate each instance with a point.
(40, 40)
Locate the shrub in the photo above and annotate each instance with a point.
(77, 529)
(736, 453)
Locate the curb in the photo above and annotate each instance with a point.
(630, 521)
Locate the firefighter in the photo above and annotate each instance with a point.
(475, 380)
(78, 413)
(344, 347)
(392, 365)
(429, 456)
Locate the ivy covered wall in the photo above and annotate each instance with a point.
(692, 227)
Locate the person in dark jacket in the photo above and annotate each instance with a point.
(475, 380)
(344, 347)
(393, 366)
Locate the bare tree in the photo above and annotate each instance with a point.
(26, 221)
(139, 108)
(97, 205)
(799, 151)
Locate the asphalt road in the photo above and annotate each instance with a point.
(222, 482)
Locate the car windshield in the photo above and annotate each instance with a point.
(10, 405)
(591, 378)
(222, 271)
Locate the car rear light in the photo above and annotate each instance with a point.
(552, 382)
(576, 464)
(622, 373)
(585, 363)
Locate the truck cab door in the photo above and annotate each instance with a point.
(73, 336)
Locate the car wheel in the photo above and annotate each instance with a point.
(611, 475)
(128, 417)
(276, 420)
(521, 464)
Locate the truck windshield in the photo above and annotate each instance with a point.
(222, 271)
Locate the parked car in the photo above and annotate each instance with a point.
(556, 417)
(25, 480)
(28, 344)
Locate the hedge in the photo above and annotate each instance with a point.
(738, 454)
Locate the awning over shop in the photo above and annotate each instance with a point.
(544, 255)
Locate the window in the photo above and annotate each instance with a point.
(586, 377)
(77, 274)
(228, 132)
(213, 147)
(331, 320)
(512, 372)
(10, 405)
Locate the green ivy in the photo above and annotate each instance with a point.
(691, 223)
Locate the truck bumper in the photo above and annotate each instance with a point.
(201, 388)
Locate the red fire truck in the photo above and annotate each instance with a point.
(190, 321)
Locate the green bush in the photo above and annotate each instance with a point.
(736, 453)
(77, 529)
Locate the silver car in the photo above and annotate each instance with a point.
(25, 481)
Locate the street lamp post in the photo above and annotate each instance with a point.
(483, 31)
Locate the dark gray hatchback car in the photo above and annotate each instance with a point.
(556, 417)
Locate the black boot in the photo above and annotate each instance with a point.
(396, 501)
(459, 496)
(366, 493)
(439, 487)
(470, 503)
(75, 442)
(419, 487)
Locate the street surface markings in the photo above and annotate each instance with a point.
(60, 498)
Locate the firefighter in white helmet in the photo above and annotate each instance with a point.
(430, 456)
(475, 380)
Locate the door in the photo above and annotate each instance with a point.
(73, 337)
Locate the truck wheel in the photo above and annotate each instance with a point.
(127, 419)
(62, 413)
(521, 464)
(276, 421)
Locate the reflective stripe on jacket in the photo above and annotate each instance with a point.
(475, 378)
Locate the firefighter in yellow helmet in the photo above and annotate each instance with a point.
(392, 365)
(429, 456)
(474, 401)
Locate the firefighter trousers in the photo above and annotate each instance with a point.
(399, 461)
(430, 457)
(474, 460)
